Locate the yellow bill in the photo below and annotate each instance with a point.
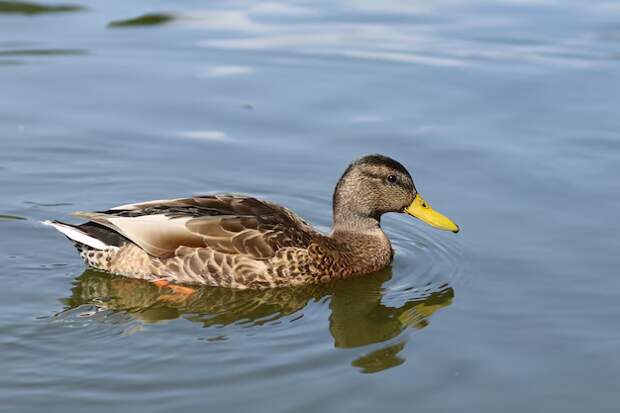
(420, 209)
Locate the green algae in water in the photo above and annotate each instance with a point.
(11, 218)
(26, 8)
(152, 19)
(43, 52)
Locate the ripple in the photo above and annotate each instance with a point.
(207, 135)
(422, 35)
(48, 204)
(224, 71)
(4, 62)
(97, 320)
(426, 260)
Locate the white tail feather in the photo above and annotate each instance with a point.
(77, 235)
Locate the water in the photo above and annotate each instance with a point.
(505, 112)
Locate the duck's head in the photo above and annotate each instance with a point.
(376, 184)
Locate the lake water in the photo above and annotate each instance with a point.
(505, 112)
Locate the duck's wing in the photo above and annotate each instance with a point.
(228, 224)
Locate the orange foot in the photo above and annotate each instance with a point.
(176, 289)
(160, 282)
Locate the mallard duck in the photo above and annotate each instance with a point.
(243, 242)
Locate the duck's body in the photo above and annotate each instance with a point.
(243, 242)
(230, 241)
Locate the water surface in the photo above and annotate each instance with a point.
(505, 112)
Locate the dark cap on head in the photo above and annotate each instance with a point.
(376, 159)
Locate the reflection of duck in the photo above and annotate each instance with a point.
(243, 242)
(358, 316)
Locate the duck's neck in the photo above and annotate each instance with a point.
(344, 223)
(359, 231)
(347, 225)
(364, 242)
(350, 217)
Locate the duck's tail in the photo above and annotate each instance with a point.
(78, 235)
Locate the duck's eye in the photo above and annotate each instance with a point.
(392, 179)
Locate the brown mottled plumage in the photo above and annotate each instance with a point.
(244, 242)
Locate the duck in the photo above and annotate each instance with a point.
(243, 242)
